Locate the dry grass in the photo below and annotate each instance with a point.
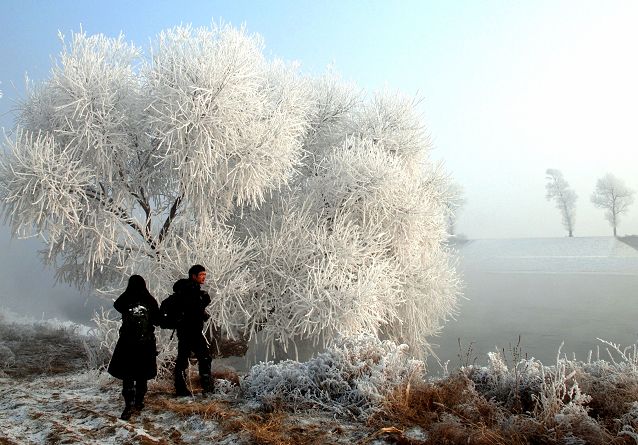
(611, 397)
(451, 411)
(42, 349)
(228, 375)
(208, 410)
(275, 428)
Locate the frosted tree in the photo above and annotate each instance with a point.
(314, 208)
(612, 195)
(454, 202)
(565, 198)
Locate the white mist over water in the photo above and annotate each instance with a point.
(545, 290)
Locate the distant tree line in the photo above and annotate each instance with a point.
(611, 194)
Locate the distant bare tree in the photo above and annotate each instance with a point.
(614, 196)
(564, 197)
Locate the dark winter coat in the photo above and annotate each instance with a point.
(191, 304)
(135, 353)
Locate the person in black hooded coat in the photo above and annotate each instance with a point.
(134, 358)
(191, 305)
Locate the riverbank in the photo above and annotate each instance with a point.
(360, 392)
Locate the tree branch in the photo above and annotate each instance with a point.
(169, 219)
(142, 201)
(110, 206)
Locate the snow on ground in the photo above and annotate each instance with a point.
(83, 408)
(45, 400)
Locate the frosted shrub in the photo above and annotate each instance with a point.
(107, 329)
(629, 422)
(513, 387)
(612, 384)
(352, 378)
(559, 393)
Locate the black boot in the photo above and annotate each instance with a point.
(204, 372)
(206, 382)
(139, 405)
(128, 411)
(128, 391)
(181, 390)
(140, 392)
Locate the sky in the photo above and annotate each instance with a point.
(508, 88)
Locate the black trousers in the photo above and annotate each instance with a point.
(188, 342)
(134, 391)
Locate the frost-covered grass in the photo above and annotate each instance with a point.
(29, 347)
(361, 390)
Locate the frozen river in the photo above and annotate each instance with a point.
(547, 291)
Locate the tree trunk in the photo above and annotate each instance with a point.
(221, 345)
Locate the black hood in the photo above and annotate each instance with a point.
(184, 284)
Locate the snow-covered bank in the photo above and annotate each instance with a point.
(8, 316)
(578, 255)
(33, 347)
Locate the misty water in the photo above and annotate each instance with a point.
(547, 291)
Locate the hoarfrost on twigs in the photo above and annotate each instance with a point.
(352, 378)
(314, 208)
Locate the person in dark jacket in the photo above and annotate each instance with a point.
(191, 305)
(134, 357)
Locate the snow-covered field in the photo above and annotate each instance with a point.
(546, 290)
(580, 255)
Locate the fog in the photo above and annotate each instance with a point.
(29, 288)
(547, 291)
